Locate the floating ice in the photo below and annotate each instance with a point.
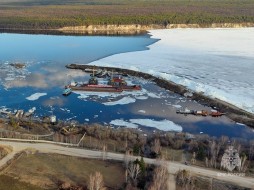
(141, 111)
(204, 60)
(152, 95)
(177, 106)
(124, 100)
(119, 122)
(240, 124)
(36, 96)
(141, 97)
(163, 125)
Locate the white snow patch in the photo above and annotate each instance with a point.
(120, 122)
(141, 97)
(36, 96)
(177, 106)
(240, 124)
(141, 111)
(204, 60)
(164, 125)
(123, 101)
(152, 95)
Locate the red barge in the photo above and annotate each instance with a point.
(115, 84)
(95, 88)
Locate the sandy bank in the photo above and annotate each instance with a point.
(131, 29)
(137, 28)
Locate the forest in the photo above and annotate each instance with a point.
(52, 14)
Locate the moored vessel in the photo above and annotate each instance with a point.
(67, 91)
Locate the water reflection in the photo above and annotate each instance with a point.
(45, 58)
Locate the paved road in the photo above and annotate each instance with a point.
(173, 167)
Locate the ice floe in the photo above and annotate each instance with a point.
(204, 60)
(177, 106)
(9, 73)
(163, 125)
(119, 122)
(124, 100)
(141, 111)
(36, 96)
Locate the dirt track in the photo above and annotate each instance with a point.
(173, 167)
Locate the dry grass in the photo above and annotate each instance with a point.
(46, 170)
(112, 145)
(171, 154)
(9, 183)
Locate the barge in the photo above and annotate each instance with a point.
(114, 84)
(96, 88)
(200, 113)
(216, 114)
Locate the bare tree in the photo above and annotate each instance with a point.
(193, 159)
(206, 162)
(160, 178)
(127, 158)
(244, 163)
(214, 152)
(104, 151)
(224, 139)
(96, 182)
(156, 146)
(185, 180)
(251, 150)
(133, 171)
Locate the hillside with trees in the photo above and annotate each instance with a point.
(52, 14)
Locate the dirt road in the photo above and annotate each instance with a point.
(173, 167)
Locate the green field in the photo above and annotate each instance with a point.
(49, 14)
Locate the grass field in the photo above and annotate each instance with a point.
(47, 14)
(46, 170)
(10, 183)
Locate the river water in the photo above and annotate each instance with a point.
(40, 84)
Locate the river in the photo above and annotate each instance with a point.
(40, 84)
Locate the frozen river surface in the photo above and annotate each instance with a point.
(183, 56)
(218, 62)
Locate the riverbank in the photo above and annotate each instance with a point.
(111, 29)
(233, 112)
(137, 28)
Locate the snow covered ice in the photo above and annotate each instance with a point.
(36, 96)
(217, 62)
(164, 125)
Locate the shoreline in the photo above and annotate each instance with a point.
(236, 114)
(120, 29)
